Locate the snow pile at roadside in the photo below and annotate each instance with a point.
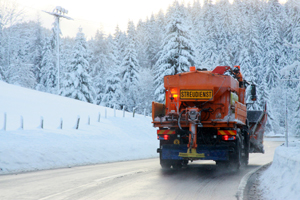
(281, 179)
(33, 148)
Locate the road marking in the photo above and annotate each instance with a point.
(96, 182)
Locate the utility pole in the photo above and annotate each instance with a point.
(57, 13)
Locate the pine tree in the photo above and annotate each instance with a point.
(297, 113)
(146, 90)
(78, 83)
(207, 41)
(177, 54)
(272, 42)
(142, 44)
(113, 93)
(121, 42)
(48, 71)
(222, 23)
(37, 49)
(154, 37)
(20, 73)
(130, 69)
(263, 98)
(99, 64)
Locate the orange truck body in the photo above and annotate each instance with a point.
(199, 105)
(202, 86)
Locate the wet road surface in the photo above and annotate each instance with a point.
(140, 179)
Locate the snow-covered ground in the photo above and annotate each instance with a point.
(33, 148)
(281, 179)
(112, 139)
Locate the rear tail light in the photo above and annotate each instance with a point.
(228, 137)
(166, 137)
(164, 134)
(163, 137)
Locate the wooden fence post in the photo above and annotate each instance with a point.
(42, 123)
(61, 123)
(22, 123)
(114, 110)
(4, 125)
(78, 120)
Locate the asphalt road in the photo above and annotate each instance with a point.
(141, 179)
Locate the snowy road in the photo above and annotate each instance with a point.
(142, 179)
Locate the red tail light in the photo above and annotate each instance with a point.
(228, 137)
(163, 137)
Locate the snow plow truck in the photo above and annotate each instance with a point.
(205, 117)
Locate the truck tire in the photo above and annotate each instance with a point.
(165, 164)
(222, 164)
(235, 159)
(179, 164)
(246, 149)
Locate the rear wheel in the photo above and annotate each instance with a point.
(165, 164)
(235, 159)
(246, 146)
(179, 164)
(222, 164)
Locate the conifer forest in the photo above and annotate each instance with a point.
(125, 69)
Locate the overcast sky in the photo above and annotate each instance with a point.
(94, 14)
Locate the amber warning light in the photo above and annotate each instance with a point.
(174, 94)
(192, 69)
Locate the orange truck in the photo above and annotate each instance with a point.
(205, 117)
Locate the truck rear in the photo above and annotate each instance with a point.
(205, 118)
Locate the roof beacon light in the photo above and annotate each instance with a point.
(192, 69)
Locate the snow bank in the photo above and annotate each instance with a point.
(281, 180)
(112, 139)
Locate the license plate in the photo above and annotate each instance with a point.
(196, 94)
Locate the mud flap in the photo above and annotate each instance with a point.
(257, 122)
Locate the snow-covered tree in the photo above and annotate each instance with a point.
(48, 71)
(99, 63)
(130, 69)
(142, 43)
(146, 90)
(296, 114)
(121, 42)
(112, 94)
(177, 54)
(20, 73)
(154, 38)
(78, 83)
(37, 49)
(263, 97)
(206, 40)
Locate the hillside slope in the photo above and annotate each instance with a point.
(32, 148)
